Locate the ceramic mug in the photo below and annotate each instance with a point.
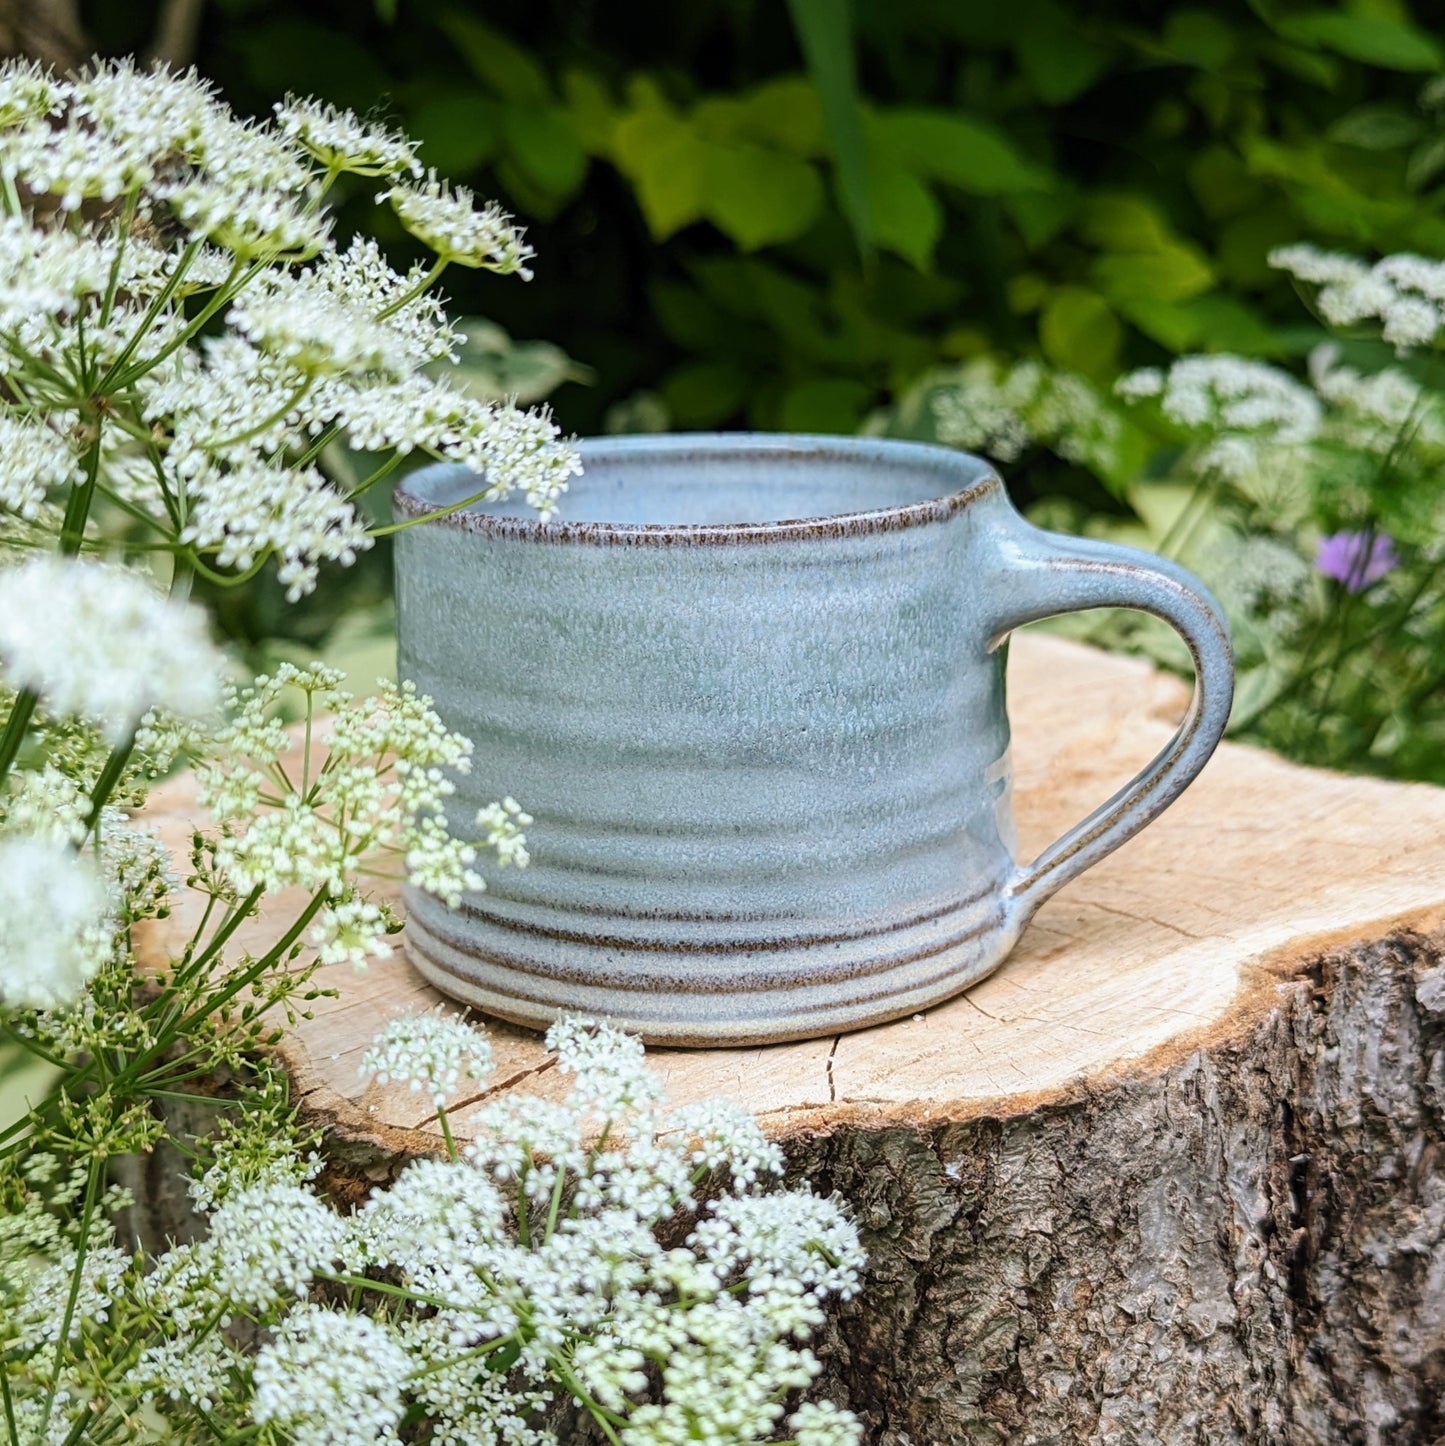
(751, 688)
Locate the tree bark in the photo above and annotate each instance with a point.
(1246, 1244)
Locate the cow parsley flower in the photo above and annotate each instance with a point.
(1404, 293)
(38, 1320)
(253, 223)
(1243, 408)
(27, 92)
(511, 450)
(342, 141)
(821, 1423)
(719, 1133)
(331, 1379)
(53, 931)
(1001, 411)
(428, 1052)
(266, 1243)
(333, 317)
(101, 644)
(197, 1368)
(450, 223)
(611, 1073)
(44, 274)
(502, 824)
(436, 1215)
(244, 513)
(34, 460)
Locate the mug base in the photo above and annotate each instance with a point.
(710, 996)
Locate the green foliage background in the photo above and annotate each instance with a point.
(781, 215)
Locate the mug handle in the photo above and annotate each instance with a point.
(1044, 574)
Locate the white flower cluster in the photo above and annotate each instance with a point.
(428, 1052)
(1380, 412)
(1003, 411)
(54, 933)
(1246, 410)
(341, 142)
(100, 644)
(1265, 431)
(214, 443)
(378, 795)
(1403, 293)
(461, 1300)
(449, 222)
(332, 1379)
(564, 1284)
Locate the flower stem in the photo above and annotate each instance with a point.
(15, 728)
(109, 777)
(437, 269)
(77, 1275)
(451, 1144)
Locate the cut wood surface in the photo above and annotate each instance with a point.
(1261, 864)
(1175, 1174)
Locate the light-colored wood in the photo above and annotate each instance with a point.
(1259, 865)
(1173, 1175)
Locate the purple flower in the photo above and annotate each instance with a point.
(1357, 560)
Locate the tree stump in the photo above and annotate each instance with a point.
(1174, 1174)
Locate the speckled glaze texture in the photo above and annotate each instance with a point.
(752, 692)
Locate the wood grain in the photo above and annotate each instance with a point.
(1259, 865)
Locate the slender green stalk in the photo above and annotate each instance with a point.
(450, 1143)
(223, 296)
(109, 777)
(410, 296)
(12, 1430)
(77, 505)
(433, 516)
(77, 1275)
(109, 383)
(599, 1413)
(15, 728)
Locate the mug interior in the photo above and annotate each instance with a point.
(719, 479)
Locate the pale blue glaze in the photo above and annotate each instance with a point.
(767, 759)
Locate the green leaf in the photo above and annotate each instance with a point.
(1205, 323)
(959, 150)
(589, 105)
(1220, 182)
(786, 114)
(703, 394)
(1425, 163)
(664, 158)
(1172, 272)
(545, 147)
(825, 33)
(501, 64)
(1199, 38)
(493, 367)
(1373, 39)
(832, 404)
(1079, 332)
(1121, 222)
(909, 218)
(1376, 128)
(458, 133)
(1041, 215)
(688, 317)
(1059, 60)
(759, 197)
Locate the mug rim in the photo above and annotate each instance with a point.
(977, 474)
